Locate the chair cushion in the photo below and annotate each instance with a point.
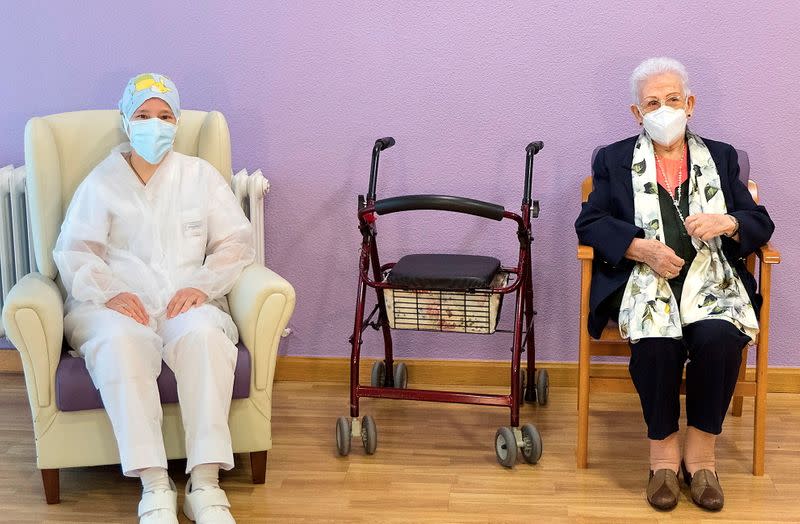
(444, 272)
(75, 390)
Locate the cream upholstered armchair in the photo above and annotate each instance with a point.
(70, 426)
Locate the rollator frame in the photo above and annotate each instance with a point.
(521, 285)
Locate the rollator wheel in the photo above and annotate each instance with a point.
(505, 447)
(532, 447)
(369, 434)
(401, 376)
(343, 436)
(378, 377)
(542, 386)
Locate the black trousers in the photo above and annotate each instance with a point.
(714, 352)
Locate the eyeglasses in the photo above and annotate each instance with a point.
(650, 104)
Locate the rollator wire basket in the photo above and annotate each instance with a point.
(467, 311)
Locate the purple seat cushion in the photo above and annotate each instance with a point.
(75, 390)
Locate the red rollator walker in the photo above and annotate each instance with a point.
(447, 293)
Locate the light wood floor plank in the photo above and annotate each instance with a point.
(434, 463)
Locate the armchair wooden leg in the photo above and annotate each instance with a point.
(736, 406)
(759, 434)
(51, 486)
(582, 450)
(762, 359)
(760, 407)
(584, 361)
(738, 400)
(258, 466)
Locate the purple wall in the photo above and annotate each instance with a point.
(463, 87)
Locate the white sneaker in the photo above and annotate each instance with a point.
(160, 506)
(207, 505)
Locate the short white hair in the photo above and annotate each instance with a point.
(657, 66)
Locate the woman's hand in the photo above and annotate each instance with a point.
(129, 305)
(659, 256)
(184, 300)
(706, 226)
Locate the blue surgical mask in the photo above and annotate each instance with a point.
(151, 138)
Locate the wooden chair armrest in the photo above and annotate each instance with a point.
(585, 252)
(769, 255)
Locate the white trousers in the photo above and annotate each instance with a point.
(124, 360)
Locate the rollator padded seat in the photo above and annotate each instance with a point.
(431, 271)
(75, 390)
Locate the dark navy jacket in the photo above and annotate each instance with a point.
(606, 223)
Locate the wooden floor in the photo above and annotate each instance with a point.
(434, 463)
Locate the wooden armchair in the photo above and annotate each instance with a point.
(610, 343)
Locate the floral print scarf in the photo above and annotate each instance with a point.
(712, 289)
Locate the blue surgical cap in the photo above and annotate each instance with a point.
(146, 86)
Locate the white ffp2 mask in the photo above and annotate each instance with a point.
(665, 124)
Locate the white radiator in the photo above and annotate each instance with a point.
(16, 246)
(251, 189)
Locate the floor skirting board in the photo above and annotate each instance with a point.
(10, 361)
(480, 372)
(449, 372)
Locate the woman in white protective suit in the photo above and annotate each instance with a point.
(151, 243)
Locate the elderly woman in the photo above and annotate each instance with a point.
(671, 222)
(151, 243)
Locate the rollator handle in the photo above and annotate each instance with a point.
(384, 143)
(380, 145)
(532, 149)
(535, 147)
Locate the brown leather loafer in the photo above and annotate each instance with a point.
(663, 489)
(705, 488)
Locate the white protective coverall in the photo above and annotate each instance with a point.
(183, 229)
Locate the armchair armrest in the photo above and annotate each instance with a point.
(261, 304)
(34, 320)
(769, 255)
(585, 252)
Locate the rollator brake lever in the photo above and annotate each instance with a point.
(524, 236)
